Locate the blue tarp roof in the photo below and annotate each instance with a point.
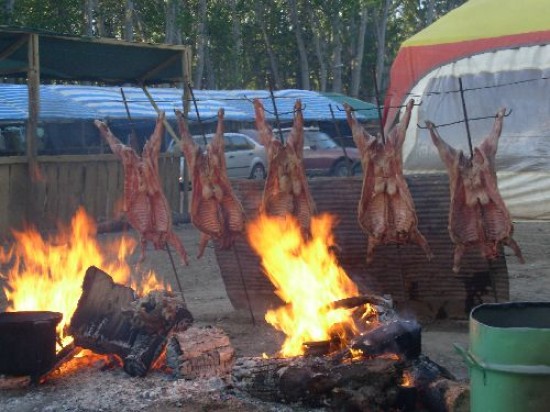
(94, 102)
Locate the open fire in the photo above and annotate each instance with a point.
(46, 273)
(308, 278)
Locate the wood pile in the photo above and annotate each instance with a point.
(200, 352)
(361, 384)
(111, 319)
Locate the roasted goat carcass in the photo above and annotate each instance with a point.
(215, 210)
(386, 210)
(477, 216)
(145, 205)
(286, 191)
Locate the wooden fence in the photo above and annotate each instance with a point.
(67, 182)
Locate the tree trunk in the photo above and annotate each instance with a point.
(336, 24)
(8, 10)
(201, 45)
(304, 64)
(430, 13)
(319, 50)
(236, 33)
(89, 17)
(357, 62)
(128, 21)
(209, 69)
(173, 33)
(381, 23)
(259, 12)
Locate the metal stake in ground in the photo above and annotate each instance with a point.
(175, 271)
(277, 122)
(238, 260)
(469, 136)
(134, 143)
(377, 96)
(465, 112)
(197, 113)
(340, 139)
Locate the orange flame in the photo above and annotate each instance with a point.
(306, 276)
(47, 273)
(407, 381)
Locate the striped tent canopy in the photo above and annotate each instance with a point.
(93, 102)
(484, 55)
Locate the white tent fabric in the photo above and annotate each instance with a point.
(518, 79)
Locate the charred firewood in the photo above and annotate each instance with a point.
(366, 384)
(438, 390)
(110, 319)
(200, 353)
(350, 303)
(401, 337)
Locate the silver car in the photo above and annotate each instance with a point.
(245, 158)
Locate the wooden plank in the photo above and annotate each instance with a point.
(89, 200)
(101, 192)
(49, 205)
(18, 196)
(114, 190)
(5, 171)
(63, 207)
(74, 188)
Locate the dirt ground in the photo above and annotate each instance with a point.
(94, 390)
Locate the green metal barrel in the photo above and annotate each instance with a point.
(509, 357)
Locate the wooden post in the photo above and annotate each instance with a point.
(186, 66)
(33, 82)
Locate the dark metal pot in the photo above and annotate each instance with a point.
(27, 342)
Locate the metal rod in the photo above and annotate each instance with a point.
(197, 112)
(340, 138)
(238, 260)
(377, 96)
(169, 129)
(175, 271)
(465, 112)
(277, 122)
(462, 121)
(133, 134)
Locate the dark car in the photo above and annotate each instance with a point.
(322, 155)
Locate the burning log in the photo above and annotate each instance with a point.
(366, 384)
(437, 388)
(402, 337)
(350, 303)
(200, 353)
(109, 319)
(361, 383)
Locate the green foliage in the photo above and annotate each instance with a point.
(231, 65)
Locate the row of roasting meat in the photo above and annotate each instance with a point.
(478, 216)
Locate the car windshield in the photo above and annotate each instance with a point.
(320, 140)
(200, 140)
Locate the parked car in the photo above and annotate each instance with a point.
(322, 155)
(245, 158)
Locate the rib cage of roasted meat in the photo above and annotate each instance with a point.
(477, 216)
(286, 191)
(145, 204)
(386, 210)
(215, 210)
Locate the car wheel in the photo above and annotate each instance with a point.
(357, 170)
(258, 172)
(341, 169)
